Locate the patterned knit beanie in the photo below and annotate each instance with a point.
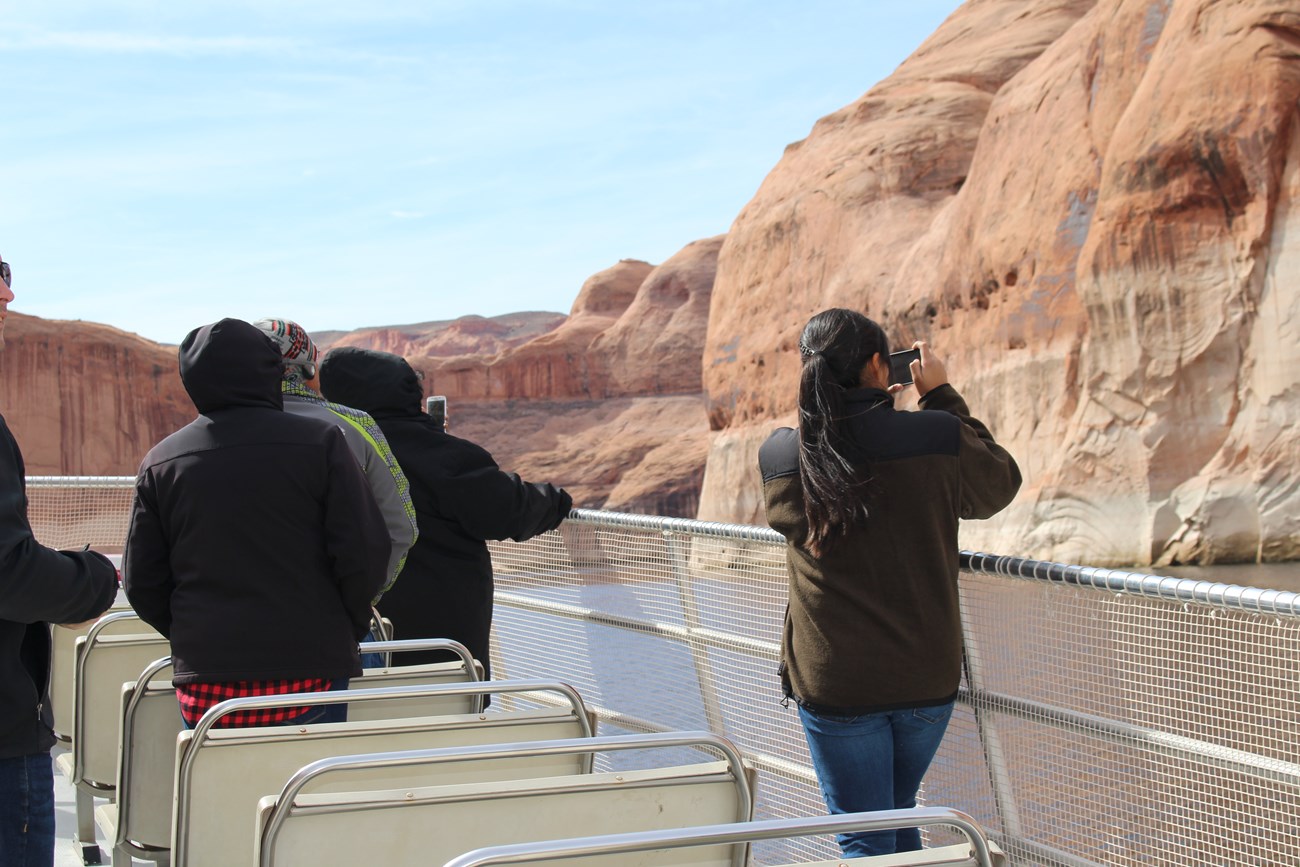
(295, 346)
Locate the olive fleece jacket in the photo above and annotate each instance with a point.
(874, 624)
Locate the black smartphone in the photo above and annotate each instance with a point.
(900, 366)
(436, 406)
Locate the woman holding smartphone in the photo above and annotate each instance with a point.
(868, 498)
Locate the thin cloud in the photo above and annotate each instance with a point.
(178, 45)
(408, 215)
(137, 43)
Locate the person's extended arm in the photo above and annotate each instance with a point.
(355, 535)
(146, 563)
(38, 583)
(492, 504)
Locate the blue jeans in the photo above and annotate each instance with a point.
(27, 811)
(372, 660)
(874, 761)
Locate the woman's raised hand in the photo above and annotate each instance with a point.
(928, 371)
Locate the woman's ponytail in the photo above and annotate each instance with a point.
(836, 345)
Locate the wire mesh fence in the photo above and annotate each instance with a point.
(1106, 718)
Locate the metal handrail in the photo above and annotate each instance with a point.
(285, 801)
(743, 832)
(80, 481)
(1217, 594)
(472, 666)
(1166, 587)
(1170, 588)
(687, 526)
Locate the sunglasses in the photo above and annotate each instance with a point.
(6, 274)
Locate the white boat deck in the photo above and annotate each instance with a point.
(66, 853)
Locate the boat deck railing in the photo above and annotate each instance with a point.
(1106, 717)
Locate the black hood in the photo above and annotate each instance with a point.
(379, 383)
(230, 363)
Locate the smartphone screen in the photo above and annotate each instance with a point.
(900, 366)
(436, 406)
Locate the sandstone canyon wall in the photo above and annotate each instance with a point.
(606, 401)
(87, 399)
(1089, 207)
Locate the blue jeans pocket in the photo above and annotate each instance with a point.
(842, 719)
(933, 715)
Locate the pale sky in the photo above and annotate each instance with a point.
(384, 162)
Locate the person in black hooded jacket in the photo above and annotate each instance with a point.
(462, 498)
(38, 586)
(255, 544)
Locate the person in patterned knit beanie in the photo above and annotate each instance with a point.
(300, 388)
(296, 347)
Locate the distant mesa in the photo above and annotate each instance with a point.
(468, 335)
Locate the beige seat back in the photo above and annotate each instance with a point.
(464, 670)
(63, 664)
(115, 650)
(423, 820)
(139, 824)
(222, 773)
(684, 846)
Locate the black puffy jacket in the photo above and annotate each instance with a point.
(38, 586)
(461, 496)
(255, 544)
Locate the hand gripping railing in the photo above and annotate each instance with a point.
(717, 835)
(699, 740)
(185, 776)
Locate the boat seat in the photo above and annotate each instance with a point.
(957, 855)
(465, 670)
(680, 847)
(222, 773)
(63, 653)
(325, 816)
(138, 822)
(116, 649)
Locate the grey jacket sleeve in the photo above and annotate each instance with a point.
(355, 538)
(388, 485)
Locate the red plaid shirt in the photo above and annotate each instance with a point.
(197, 698)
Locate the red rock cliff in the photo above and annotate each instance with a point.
(87, 399)
(1088, 209)
(635, 329)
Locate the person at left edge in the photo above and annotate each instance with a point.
(255, 544)
(38, 586)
